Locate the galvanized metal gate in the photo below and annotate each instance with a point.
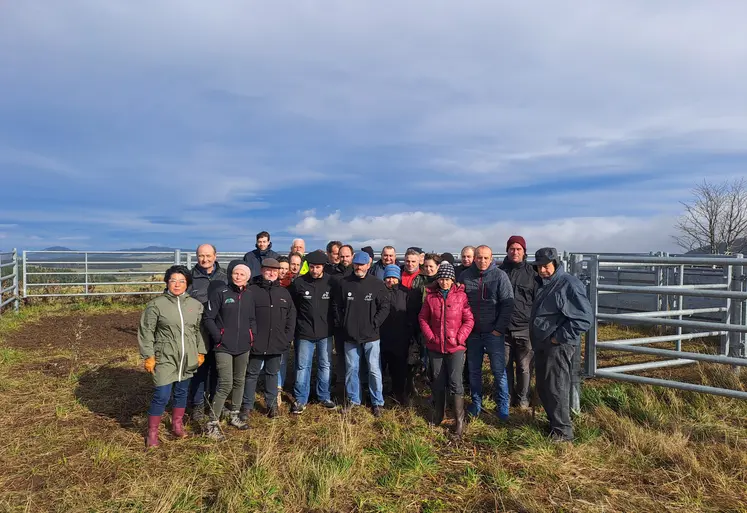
(729, 302)
(9, 279)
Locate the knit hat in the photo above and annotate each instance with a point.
(244, 267)
(369, 250)
(392, 271)
(317, 257)
(516, 239)
(361, 258)
(448, 257)
(445, 270)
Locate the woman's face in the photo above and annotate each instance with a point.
(445, 283)
(240, 277)
(430, 268)
(284, 267)
(177, 284)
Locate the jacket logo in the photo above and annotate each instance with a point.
(283, 300)
(350, 296)
(325, 295)
(369, 297)
(229, 300)
(307, 293)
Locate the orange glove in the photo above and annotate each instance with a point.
(200, 359)
(150, 364)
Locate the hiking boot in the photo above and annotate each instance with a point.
(559, 438)
(244, 415)
(377, 411)
(177, 423)
(198, 413)
(235, 421)
(151, 440)
(349, 407)
(459, 415)
(213, 431)
(273, 412)
(297, 408)
(329, 405)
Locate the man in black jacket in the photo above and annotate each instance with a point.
(397, 331)
(519, 354)
(263, 249)
(311, 295)
(207, 276)
(360, 305)
(275, 316)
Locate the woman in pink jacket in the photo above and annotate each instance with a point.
(446, 321)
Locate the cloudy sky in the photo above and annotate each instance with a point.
(579, 124)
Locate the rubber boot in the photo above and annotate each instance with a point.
(151, 440)
(439, 405)
(177, 422)
(459, 415)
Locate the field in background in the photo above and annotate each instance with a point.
(73, 400)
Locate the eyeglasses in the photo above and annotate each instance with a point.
(177, 282)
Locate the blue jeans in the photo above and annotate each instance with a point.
(478, 344)
(304, 362)
(353, 355)
(162, 394)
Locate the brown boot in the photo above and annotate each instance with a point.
(177, 422)
(439, 405)
(459, 414)
(151, 440)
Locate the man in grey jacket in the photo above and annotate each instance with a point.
(561, 313)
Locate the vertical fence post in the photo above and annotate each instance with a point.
(25, 275)
(177, 256)
(680, 306)
(189, 260)
(735, 339)
(16, 303)
(724, 344)
(85, 257)
(576, 260)
(590, 351)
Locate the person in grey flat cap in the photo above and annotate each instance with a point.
(561, 313)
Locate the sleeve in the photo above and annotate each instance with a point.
(382, 306)
(201, 346)
(504, 304)
(577, 312)
(290, 322)
(468, 322)
(146, 333)
(336, 304)
(424, 318)
(210, 315)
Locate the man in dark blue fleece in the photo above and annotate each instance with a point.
(491, 299)
(263, 250)
(560, 314)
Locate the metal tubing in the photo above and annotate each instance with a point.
(103, 262)
(25, 276)
(17, 303)
(672, 384)
(680, 306)
(716, 326)
(590, 352)
(680, 313)
(664, 338)
(107, 252)
(635, 367)
(95, 283)
(99, 294)
(712, 358)
(659, 260)
(688, 290)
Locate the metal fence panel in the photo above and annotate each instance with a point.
(9, 280)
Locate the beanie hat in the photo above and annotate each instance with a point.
(392, 271)
(369, 250)
(516, 239)
(448, 257)
(445, 270)
(243, 266)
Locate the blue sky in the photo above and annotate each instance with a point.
(577, 124)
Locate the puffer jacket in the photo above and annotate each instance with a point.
(275, 316)
(446, 324)
(229, 317)
(491, 297)
(561, 311)
(170, 331)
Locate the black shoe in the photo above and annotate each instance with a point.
(330, 405)
(376, 410)
(244, 415)
(273, 412)
(297, 408)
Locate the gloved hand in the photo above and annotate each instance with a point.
(150, 364)
(200, 359)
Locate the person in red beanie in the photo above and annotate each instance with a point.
(519, 354)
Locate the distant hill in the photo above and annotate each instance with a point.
(740, 246)
(57, 248)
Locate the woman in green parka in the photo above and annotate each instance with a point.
(172, 345)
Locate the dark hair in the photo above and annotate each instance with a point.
(296, 254)
(178, 269)
(263, 234)
(331, 244)
(433, 256)
(282, 259)
(448, 257)
(352, 251)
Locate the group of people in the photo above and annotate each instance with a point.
(213, 333)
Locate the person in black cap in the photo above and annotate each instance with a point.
(560, 314)
(448, 257)
(369, 251)
(311, 294)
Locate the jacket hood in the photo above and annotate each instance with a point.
(229, 272)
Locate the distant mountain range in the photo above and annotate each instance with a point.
(134, 250)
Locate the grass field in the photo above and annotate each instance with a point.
(72, 409)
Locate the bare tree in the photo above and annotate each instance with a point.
(716, 218)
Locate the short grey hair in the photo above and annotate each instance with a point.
(215, 251)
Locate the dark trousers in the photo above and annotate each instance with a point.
(271, 368)
(519, 356)
(204, 382)
(446, 370)
(395, 362)
(553, 369)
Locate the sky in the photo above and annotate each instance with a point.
(578, 124)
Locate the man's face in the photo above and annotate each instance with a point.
(334, 255)
(299, 246)
(412, 262)
(346, 257)
(391, 282)
(515, 253)
(468, 256)
(547, 270)
(361, 270)
(240, 277)
(177, 284)
(206, 256)
(284, 269)
(263, 243)
(388, 257)
(483, 257)
(430, 268)
(295, 265)
(316, 270)
(270, 273)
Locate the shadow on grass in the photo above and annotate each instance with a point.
(118, 393)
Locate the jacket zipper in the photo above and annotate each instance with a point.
(181, 319)
(238, 322)
(443, 325)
